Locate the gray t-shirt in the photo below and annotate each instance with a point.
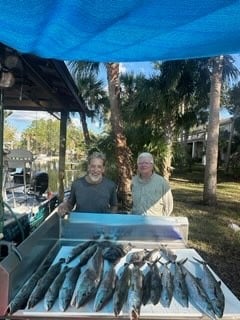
(95, 198)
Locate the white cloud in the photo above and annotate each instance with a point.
(122, 68)
(21, 120)
(75, 121)
(28, 116)
(93, 124)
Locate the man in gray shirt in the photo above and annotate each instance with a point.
(93, 192)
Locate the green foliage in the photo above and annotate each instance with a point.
(156, 109)
(234, 93)
(9, 134)
(75, 142)
(180, 155)
(235, 164)
(42, 136)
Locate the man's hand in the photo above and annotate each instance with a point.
(62, 209)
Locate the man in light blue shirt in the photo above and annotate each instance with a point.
(151, 193)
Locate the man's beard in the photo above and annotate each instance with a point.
(94, 179)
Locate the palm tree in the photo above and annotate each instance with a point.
(210, 174)
(234, 110)
(222, 68)
(94, 98)
(123, 153)
(154, 107)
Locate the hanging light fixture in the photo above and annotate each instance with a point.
(7, 80)
(6, 77)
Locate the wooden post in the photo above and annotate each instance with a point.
(62, 154)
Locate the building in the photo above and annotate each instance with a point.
(197, 138)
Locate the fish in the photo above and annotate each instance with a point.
(167, 286)
(87, 254)
(44, 283)
(68, 286)
(155, 284)
(136, 257)
(53, 291)
(213, 289)
(167, 253)
(89, 280)
(135, 293)
(121, 288)
(21, 298)
(86, 288)
(197, 294)
(96, 261)
(78, 249)
(105, 289)
(115, 251)
(146, 284)
(152, 255)
(180, 291)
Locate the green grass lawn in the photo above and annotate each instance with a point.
(209, 231)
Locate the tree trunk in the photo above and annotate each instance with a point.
(229, 147)
(123, 153)
(167, 162)
(210, 175)
(85, 128)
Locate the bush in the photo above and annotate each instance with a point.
(234, 165)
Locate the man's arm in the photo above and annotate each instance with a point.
(168, 203)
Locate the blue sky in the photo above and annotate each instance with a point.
(22, 119)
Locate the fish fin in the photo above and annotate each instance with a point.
(200, 261)
(182, 261)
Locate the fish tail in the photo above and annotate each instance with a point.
(134, 315)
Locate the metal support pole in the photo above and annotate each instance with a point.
(1, 164)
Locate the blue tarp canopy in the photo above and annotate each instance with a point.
(121, 30)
